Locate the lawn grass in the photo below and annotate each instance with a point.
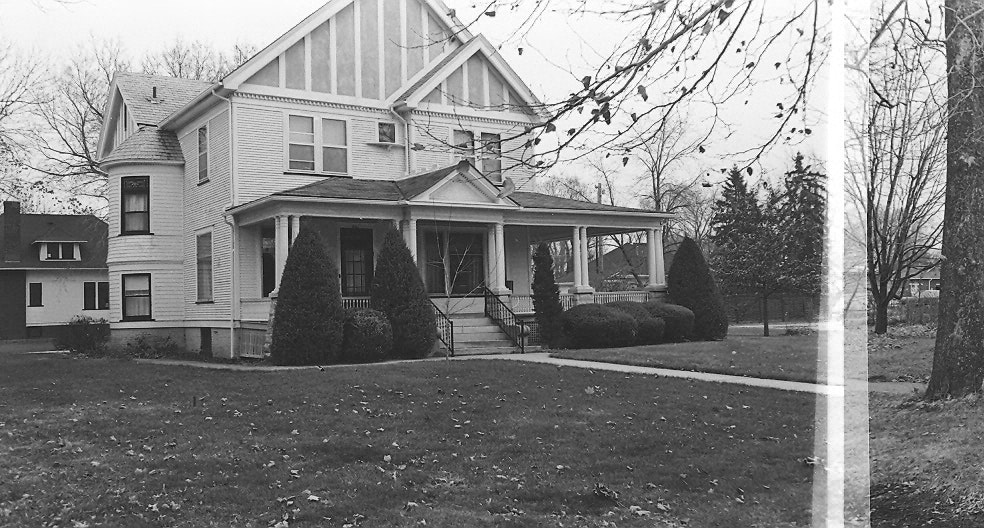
(793, 358)
(478, 443)
(926, 461)
(900, 356)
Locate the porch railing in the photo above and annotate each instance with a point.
(607, 297)
(355, 302)
(445, 328)
(524, 303)
(503, 316)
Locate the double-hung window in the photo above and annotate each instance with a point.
(464, 145)
(492, 156)
(95, 296)
(300, 150)
(136, 205)
(60, 251)
(136, 297)
(204, 258)
(203, 154)
(307, 135)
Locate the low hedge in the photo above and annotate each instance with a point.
(84, 335)
(651, 328)
(367, 336)
(598, 326)
(679, 320)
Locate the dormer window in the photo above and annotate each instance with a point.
(61, 251)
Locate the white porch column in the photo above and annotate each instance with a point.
(410, 237)
(660, 265)
(651, 253)
(584, 258)
(576, 257)
(295, 227)
(500, 260)
(282, 247)
(491, 263)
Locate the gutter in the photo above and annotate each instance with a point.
(233, 281)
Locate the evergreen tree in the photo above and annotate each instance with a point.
(691, 284)
(307, 326)
(737, 215)
(546, 296)
(801, 213)
(398, 292)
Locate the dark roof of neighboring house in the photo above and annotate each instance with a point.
(615, 265)
(433, 71)
(148, 143)
(68, 228)
(408, 188)
(172, 95)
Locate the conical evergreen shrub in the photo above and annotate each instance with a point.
(307, 324)
(398, 292)
(691, 284)
(546, 297)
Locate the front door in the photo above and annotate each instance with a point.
(356, 246)
(455, 263)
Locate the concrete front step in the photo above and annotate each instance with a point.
(479, 336)
(484, 350)
(482, 343)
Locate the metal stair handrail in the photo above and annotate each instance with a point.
(445, 327)
(506, 319)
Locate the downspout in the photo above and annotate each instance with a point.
(399, 109)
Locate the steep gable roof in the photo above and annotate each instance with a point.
(172, 95)
(67, 228)
(263, 57)
(451, 56)
(147, 144)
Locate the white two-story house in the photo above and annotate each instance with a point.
(367, 115)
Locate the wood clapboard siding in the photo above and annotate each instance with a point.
(250, 263)
(204, 210)
(166, 204)
(166, 283)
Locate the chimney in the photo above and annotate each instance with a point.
(11, 232)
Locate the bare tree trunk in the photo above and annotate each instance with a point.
(765, 315)
(958, 363)
(881, 317)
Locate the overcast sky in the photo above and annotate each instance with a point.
(558, 44)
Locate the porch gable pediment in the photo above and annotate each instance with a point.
(463, 185)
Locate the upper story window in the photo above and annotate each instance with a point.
(492, 156)
(60, 251)
(387, 132)
(464, 143)
(203, 154)
(135, 205)
(307, 135)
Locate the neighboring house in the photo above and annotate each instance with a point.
(928, 280)
(368, 114)
(620, 268)
(52, 268)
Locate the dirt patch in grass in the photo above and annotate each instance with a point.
(925, 461)
(793, 358)
(477, 443)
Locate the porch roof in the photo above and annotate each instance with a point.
(533, 200)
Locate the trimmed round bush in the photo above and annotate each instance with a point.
(690, 283)
(651, 328)
(598, 326)
(368, 336)
(398, 291)
(679, 320)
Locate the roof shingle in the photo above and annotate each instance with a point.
(69, 228)
(172, 94)
(532, 200)
(148, 144)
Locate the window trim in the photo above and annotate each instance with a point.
(123, 212)
(45, 252)
(319, 143)
(150, 298)
(486, 154)
(211, 264)
(458, 153)
(30, 296)
(208, 140)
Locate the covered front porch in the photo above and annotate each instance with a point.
(469, 245)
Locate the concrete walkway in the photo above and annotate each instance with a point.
(541, 358)
(544, 358)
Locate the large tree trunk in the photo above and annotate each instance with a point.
(881, 316)
(958, 363)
